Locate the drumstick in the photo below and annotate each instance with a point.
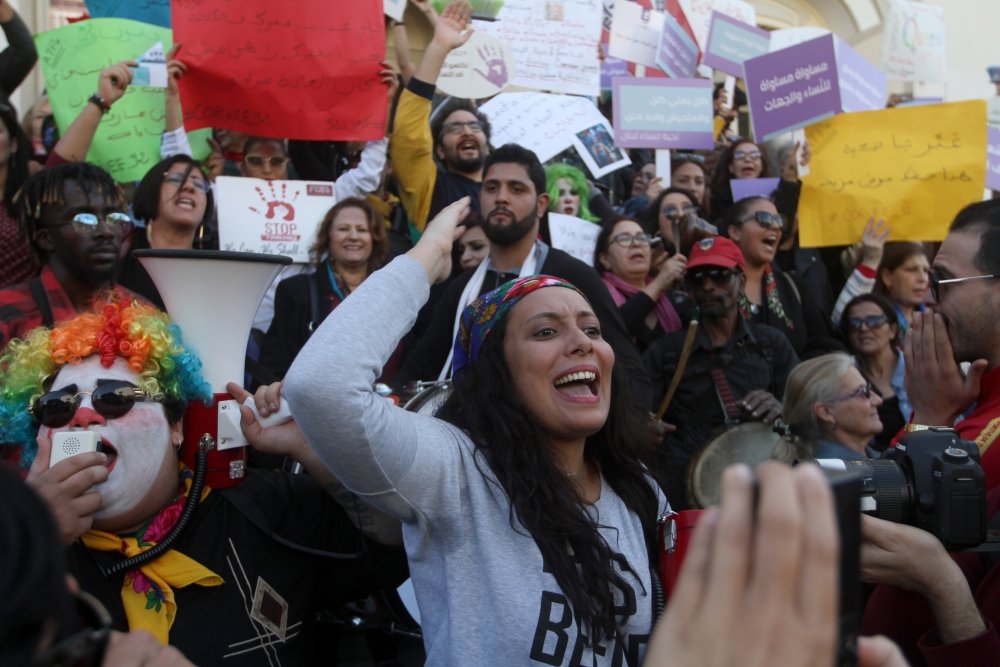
(681, 364)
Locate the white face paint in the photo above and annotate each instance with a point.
(142, 461)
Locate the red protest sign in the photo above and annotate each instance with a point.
(300, 70)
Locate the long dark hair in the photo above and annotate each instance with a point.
(17, 163)
(545, 502)
(721, 175)
(890, 315)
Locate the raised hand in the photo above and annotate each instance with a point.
(175, 70)
(873, 242)
(451, 29)
(114, 80)
(433, 250)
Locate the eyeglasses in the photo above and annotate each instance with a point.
(86, 224)
(765, 219)
(90, 643)
(871, 321)
(863, 392)
(276, 161)
(936, 282)
(111, 400)
(458, 126)
(716, 274)
(177, 178)
(748, 155)
(674, 213)
(629, 240)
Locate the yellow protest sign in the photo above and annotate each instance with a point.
(914, 167)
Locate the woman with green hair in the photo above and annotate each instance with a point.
(568, 191)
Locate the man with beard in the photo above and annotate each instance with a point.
(735, 370)
(962, 327)
(513, 200)
(458, 137)
(74, 217)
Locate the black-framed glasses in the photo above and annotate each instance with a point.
(628, 240)
(458, 126)
(86, 224)
(717, 274)
(746, 155)
(862, 392)
(88, 643)
(673, 213)
(276, 161)
(177, 178)
(765, 219)
(111, 399)
(936, 281)
(870, 321)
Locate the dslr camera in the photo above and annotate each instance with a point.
(932, 480)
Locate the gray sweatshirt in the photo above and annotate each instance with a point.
(483, 592)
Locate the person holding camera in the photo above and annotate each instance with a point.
(963, 326)
(941, 608)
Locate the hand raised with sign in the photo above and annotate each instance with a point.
(451, 30)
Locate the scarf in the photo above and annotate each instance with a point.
(622, 291)
(146, 593)
(772, 300)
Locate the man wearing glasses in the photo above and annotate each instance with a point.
(74, 217)
(458, 136)
(734, 371)
(963, 326)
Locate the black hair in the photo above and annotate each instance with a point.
(253, 141)
(984, 218)
(48, 188)
(17, 163)
(545, 502)
(737, 212)
(516, 154)
(604, 238)
(650, 217)
(890, 314)
(146, 203)
(33, 594)
(721, 175)
(451, 106)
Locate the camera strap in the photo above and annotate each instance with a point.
(725, 395)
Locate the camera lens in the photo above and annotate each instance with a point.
(885, 491)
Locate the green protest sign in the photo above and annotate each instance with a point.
(127, 142)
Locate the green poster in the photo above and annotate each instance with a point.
(127, 142)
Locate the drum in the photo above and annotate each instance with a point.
(429, 397)
(749, 442)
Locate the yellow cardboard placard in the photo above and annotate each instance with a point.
(914, 167)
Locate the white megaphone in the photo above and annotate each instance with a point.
(212, 295)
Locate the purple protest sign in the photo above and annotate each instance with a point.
(663, 113)
(793, 87)
(752, 187)
(862, 85)
(993, 158)
(731, 42)
(611, 67)
(677, 54)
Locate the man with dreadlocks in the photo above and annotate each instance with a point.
(74, 218)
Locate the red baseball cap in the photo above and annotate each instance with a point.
(715, 251)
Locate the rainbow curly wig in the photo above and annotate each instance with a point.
(577, 181)
(115, 327)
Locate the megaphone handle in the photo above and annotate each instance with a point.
(275, 418)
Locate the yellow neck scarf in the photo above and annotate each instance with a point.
(146, 593)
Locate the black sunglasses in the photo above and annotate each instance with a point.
(871, 321)
(765, 219)
(936, 281)
(110, 399)
(716, 274)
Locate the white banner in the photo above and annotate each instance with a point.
(574, 236)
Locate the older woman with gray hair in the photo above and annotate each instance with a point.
(830, 411)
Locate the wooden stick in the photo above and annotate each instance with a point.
(681, 365)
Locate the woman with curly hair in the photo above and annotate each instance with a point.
(527, 517)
